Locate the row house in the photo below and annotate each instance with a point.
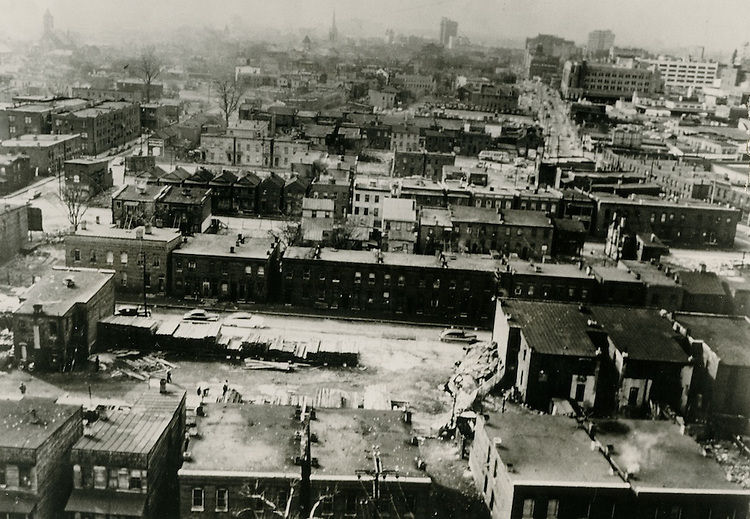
(35, 117)
(320, 451)
(547, 282)
(91, 175)
(55, 326)
(421, 163)
(335, 184)
(607, 358)
(140, 257)
(184, 208)
(404, 286)
(126, 462)
(530, 465)
(225, 268)
(36, 436)
(233, 149)
(368, 194)
(135, 204)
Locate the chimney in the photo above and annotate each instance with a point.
(163, 386)
(407, 416)
(703, 268)
(83, 225)
(147, 228)
(70, 282)
(98, 220)
(231, 250)
(38, 309)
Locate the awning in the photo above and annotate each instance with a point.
(106, 502)
(17, 503)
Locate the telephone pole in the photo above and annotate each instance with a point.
(305, 491)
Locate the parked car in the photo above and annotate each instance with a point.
(457, 335)
(199, 314)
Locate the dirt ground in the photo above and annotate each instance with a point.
(20, 271)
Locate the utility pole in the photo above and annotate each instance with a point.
(305, 491)
(377, 473)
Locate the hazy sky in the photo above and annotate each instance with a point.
(720, 25)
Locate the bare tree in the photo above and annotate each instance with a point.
(148, 67)
(289, 234)
(75, 198)
(229, 94)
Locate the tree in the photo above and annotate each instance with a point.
(229, 94)
(148, 67)
(288, 234)
(75, 198)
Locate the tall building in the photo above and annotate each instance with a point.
(601, 81)
(333, 33)
(681, 74)
(600, 41)
(448, 30)
(49, 22)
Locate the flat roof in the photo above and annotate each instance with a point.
(318, 204)
(470, 214)
(399, 209)
(614, 274)
(727, 336)
(641, 332)
(661, 459)
(18, 427)
(566, 270)
(646, 201)
(219, 244)
(157, 234)
(704, 283)
(435, 216)
(650, 274)
(527, 218)
(56, 297)
(552, 328)
(548, 450)
(185, 195)
(141, 193)
(454, 261)
(41, 140)
(249, 438)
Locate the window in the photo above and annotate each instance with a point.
(113, 483)
(371, 278)
(528, 509)
(27, 119)
(197, 504)
(77, 480)
(156, 262)
(222, 501)
(76, 255)
(92, 258)
(261, 271)
(401, 281)
(122, 478)
(110, 257)
(12, 130)
(124, 258)
(134, 483)
(553, 506)
(124, 279)
(100, 477)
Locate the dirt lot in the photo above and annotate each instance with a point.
(20, 271)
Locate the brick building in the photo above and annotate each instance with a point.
(689, 224)
(393, 285)
(15, 172)
(721, 381)
(135, 204)
(93, 175)
(14, 230)
(124, 251)
(527, 465)
(547, 281)
(185, 208)
(225, 267)
(103, 126)
(336, 184)
(55, 326)
(126, 463)
(36, 435)
(242, 478)
(47, 153)
(421, 163)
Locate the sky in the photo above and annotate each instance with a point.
(720, 26)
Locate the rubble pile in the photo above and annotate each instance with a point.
(473, 375)
(133, 364)
(733, 460)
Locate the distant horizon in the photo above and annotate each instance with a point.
(640, 23)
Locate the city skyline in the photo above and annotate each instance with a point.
(640, 23)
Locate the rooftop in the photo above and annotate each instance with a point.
(727, 336)
(52, 291)
(261, 438)
(614, 274)
(399, 209)
(219, 245)
(37, 141)
(456, 261)
(546, 449)
(318, 204)
(124, 432)
(703, 283)
(641, 332)
(185, 195)
(645, 200)
(661, 459)
(552, 328)
(19, 428)
(435, 216)
(470, 214)
(141, 193)
(560, 270)
(527, 218)
(650, 274)
(107, 231)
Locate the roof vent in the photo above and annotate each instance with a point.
(231, 250)
(38, 308)
(70, 282)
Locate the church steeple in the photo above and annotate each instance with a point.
(49, 22)
(333, 33)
